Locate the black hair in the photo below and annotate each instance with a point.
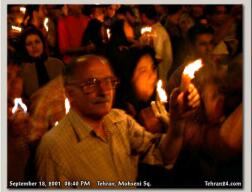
(124, 9)
(118, 36)
(198, 29)
(149, 11)
(134, 55)
(29, 13)
(93, 33)
(173, 9)
(211, 9)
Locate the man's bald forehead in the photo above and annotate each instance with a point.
(87, 60)
(82, 63)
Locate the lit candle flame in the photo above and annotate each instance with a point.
(46, 23)
(16, 28)
(146, 29)
(188, 73)
(108, 33)
(56, 123)
(161, 92)
(22, 9)
(192, 68)
(18, 102)
(67, 105)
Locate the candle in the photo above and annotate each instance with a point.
(67, 108)
(22, 9)
(146, 36)
(188, 73)
(18, 103)
(145, 30)
(56, 123)
(67, 105)
(46, 23)
(161, 92)
(108, 33)
(16, 28)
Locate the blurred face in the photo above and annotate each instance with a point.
(42, 11)
(34, 45)
(99, 14)
(204, 44)
(197, 11)
(75, 9)
(144, 78)
(213, 101)
(110, 11)
(220, 15)
(92, 97)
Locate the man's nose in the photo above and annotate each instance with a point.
(102, 88)
(33, 45)
(209, 47)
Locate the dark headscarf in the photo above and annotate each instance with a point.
(25, 57)
(39, 62)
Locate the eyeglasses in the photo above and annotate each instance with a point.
(90, 85)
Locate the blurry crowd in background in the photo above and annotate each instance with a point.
(143, 43)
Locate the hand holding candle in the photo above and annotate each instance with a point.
(158, 106)
(146, 36)
(19, 120)
(18, 102)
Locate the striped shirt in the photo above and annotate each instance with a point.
(73, 152)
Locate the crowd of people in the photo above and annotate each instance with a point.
(106, 60)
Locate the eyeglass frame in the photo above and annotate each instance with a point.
(113, 80)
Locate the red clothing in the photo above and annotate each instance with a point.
(70, 31)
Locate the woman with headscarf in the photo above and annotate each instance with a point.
(37, 67)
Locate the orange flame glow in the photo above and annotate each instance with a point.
(161, 92)
(18, 102)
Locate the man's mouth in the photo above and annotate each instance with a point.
(101, 100)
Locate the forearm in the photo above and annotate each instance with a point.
(172, 143)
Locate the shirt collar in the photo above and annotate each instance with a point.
(81, 128)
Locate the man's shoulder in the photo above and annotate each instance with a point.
(160, 28)
(117, 115)
(54, 61)
(58, 135)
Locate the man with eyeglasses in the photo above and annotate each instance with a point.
(97, 146)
